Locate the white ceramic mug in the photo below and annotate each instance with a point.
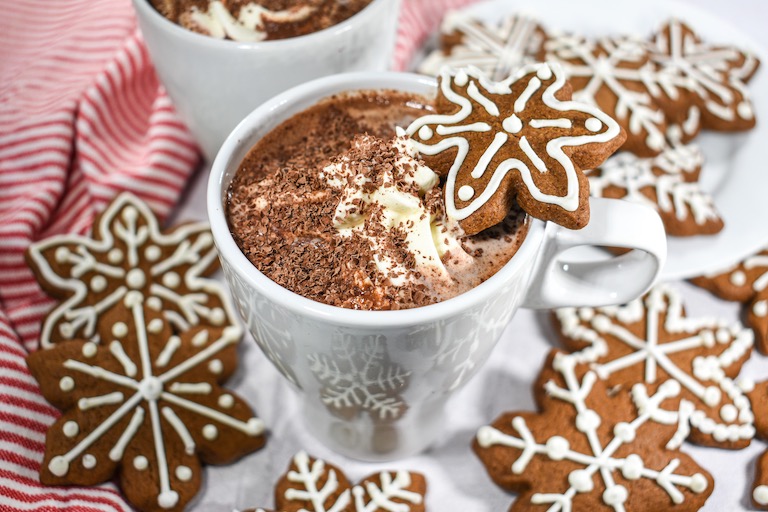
(215, 83)
(374, 383)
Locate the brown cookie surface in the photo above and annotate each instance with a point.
(521, 140)
(651, 341)
(589, 448)
(758, 395)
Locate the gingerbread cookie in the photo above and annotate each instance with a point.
(313, 485)
(745, 282)
(590, 448)
(667, 183)
(758, 395)
(144, 404)
(128, 252)
(496, 49)
(709, 80)
(521, 139)
(651, 341)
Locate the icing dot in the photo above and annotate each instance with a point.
(89, 461)
(151, 388)
(671, 387)
(67, 384)
(512, 124)
(168, 499)
(67, 330)
(115, 256)
(544, 72)
(218, 317)
(210, 432)
(89, 349)
(133, 298)
(601, 323)
(655, 141)
(153, 253)
(587, 420)
(722, 336)
(135, 278)
(615, 495)
(171, 279)
(707, 338)
(98, 283)
(62, 253)
(593, 124)
(698, 483)
(761, 494)
(58, 466)
(215, 366)
(624, 431)
(557, 447)
(425, 132)
(155, 326)
(633, 467)
(760, 308)
(140, 462)
(461, 79)
(119, 330)
(130, 213)
(206, 239)
(745, 110)
(70, 429)
(184, 473)
(712, 396)
(581, 480)
(466, 192)
(729, 413)
(226, 401)
(154, 303)
(738, 278)
(254, 427)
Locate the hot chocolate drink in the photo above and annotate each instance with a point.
(333, 206)
(258, 20)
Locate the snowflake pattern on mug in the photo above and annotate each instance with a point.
(128, 252)
(313, 485)
(745, 282)
(497, 49)
(590, 450)
(520, 139)
(651, 341)
(710, 79)
(146, 405)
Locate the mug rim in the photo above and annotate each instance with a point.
(150, 13)
(238, 262)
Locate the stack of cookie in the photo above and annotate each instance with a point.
(662, 90)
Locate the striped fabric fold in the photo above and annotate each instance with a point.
(83, 117)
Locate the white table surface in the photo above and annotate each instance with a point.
(457, 481)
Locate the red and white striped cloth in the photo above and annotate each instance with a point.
(83, 117)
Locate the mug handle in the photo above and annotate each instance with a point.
(557, 282)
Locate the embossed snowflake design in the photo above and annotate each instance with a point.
(667, 182)
(520, 139)
(617, 75)
(758, 395)
(650, 341)
(128, 252)
(146, 405)
(313, 485)
(360, 378)
(495, 49)
(745, 282)
(709, 78)
(587, 450)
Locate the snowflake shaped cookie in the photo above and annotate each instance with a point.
(313, 485)
(496, 49)
(746, 282)
(758, 395)
(667, 182)
(651, 341)
(589, 450)
(145, 404)
(710, 79)
(617, 75)
(128, 252)
(520, 139)
(360, 378)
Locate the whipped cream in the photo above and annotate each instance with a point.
(219, 22)
(394, 200)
